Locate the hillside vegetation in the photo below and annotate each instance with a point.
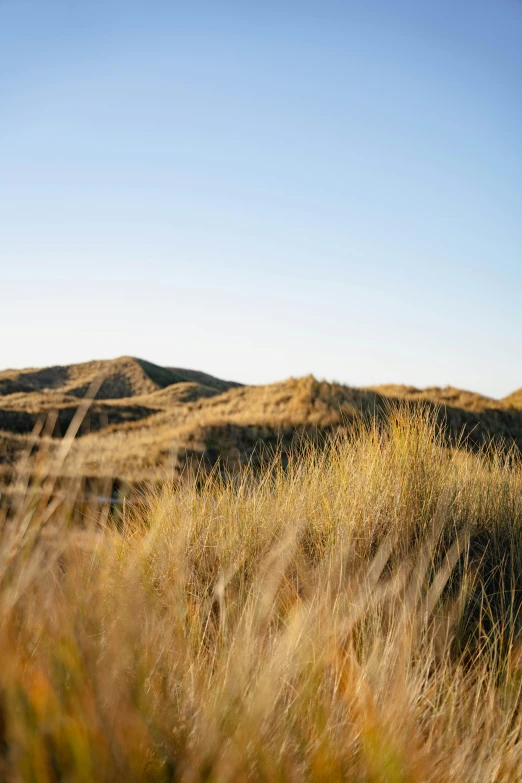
(352, 615)
(146, 419)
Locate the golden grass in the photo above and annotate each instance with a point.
(354, 616)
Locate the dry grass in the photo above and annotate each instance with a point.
(354, 616)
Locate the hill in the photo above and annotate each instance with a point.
(144, 416)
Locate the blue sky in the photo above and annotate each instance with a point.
(261, 190)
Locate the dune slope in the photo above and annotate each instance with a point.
(144, 416)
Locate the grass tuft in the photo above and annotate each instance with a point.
(351, 613)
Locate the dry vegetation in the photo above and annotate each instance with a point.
(148, 420)
(354, 615)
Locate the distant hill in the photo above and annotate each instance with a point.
(145, 417)
(122, 378)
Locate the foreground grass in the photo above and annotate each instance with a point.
(353, 617)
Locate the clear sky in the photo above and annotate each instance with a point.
(261, 190)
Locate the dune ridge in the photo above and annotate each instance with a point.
(145, 416)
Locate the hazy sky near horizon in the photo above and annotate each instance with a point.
(260, 190)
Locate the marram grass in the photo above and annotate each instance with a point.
(354, 616)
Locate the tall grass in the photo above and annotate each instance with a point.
(353, 616)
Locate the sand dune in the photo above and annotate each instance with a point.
(144, 416)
